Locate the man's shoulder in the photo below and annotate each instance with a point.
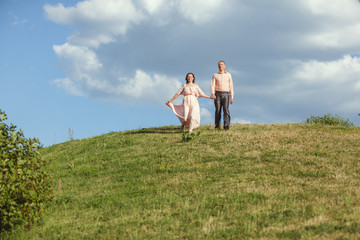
(226, 73)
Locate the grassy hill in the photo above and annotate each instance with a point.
(282, 181)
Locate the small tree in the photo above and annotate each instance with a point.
(330, 119)
(25, 187)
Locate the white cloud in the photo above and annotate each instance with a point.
(135, 51)
(198, 11)
(318, 86)
(344, 70)
(146, 88)
(86, 80)
(239, 120)
(82, 67)
(154, 6)
(201, 10)
(88, 77)
(305, 88)
(342, 9)
(205, 116)
(84, 58)
(97, 21)
(336, 23)
(69, 86)
(335, 36)
(100, 22)
(333, 84)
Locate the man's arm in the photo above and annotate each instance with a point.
(231, 90)
(212, 87)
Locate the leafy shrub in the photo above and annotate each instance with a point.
(186, 136)
(25, 187)
(329, 119)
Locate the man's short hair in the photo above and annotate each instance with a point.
(222, 61)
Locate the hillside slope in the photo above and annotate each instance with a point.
(287, 181)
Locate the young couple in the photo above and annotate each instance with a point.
(222, 92)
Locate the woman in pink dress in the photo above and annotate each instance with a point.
(189, 112)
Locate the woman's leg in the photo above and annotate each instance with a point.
(182, 127)
(191, 128)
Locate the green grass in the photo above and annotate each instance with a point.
(281, 181)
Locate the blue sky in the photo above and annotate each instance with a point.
(99, 66)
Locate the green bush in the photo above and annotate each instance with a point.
(329, 119)
(25, 187)
(186, 136)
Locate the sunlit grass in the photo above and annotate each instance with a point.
(285, 181)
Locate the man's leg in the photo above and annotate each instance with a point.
(217, 103)
(225, 103)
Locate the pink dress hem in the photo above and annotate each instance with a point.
(189, 112)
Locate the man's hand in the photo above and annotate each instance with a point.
(232, 101)
(213, 96)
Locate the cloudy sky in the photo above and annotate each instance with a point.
(98, 66)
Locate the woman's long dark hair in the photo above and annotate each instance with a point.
(187, 77)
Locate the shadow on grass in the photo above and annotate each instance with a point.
(161, 130)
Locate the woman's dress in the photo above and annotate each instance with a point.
(189, 112)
